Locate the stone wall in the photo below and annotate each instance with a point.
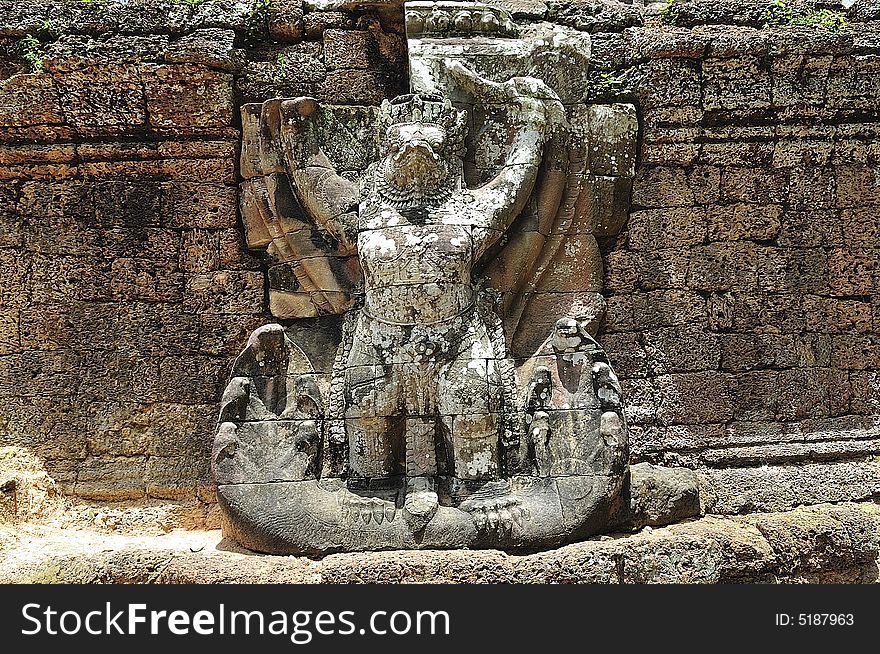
(742, 307)
(126, 289)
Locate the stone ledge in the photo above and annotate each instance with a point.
(815, 544)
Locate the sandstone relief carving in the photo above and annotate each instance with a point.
(436, 383)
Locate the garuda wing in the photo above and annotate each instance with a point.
(549, 265)
(297, 206)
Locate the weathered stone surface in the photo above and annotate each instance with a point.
(778, 488)
(818, 539)
(821, 544)
(207, 47)
(603, 16)
(660, 496)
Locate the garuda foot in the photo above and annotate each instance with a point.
(495, 514)
(421, 502)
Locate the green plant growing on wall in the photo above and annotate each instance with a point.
(826, 19)
(281, 70)
(781, 15)
(258, 21)
(668, 12)
(31, 51)
(610, 82)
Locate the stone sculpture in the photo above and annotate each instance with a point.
(425, 430)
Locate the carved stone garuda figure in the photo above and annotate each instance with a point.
(424, 431)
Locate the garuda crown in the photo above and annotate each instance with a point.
(426, 108)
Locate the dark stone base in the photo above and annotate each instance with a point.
(316, 518)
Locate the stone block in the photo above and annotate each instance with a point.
(315, 23)
(678, 154)
(804, 393)
(765, 313)
(359, 87)
(223, 334)
(681, 349)
(665, 268)
(16, 275)
(286, 20)
(29, 100)
(667, 308)
(754, 185)
(348, 137)
(743, 222)
(782, 487)
(220, 170)
(111, 478)
(853, 81)
(175, 477)
(743, 352)
(818, 538)
(641, 401)
(211, 47)
(127, 204)
(192, 379)
(10, 341)
(672, 560)
(802, 152)
(697, 397)
(298, 65)
(627, 354)
(801, 270)
(107, 98)
(186, 96)
(860, 226)
(746, 556)
(852, 271)
(812, 189)
(662, 187)
(143, 279)
(224, 291)
(365, 50)
(755, 395)
(855, 352)
(199, 205)
(653, 229)
(668, 83)
(735, 151)
(857, 186)
(865, 389)
(107, 376)
(234, 254)
(199, 251)
(660, 496)
(604, 203)
(619, 314)
(304, 304)
(814, 228)
(800, 79)
(621, 271)
(735, 84)
(829, 315)
(157, 244)
(721, 267)
(613, 131)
